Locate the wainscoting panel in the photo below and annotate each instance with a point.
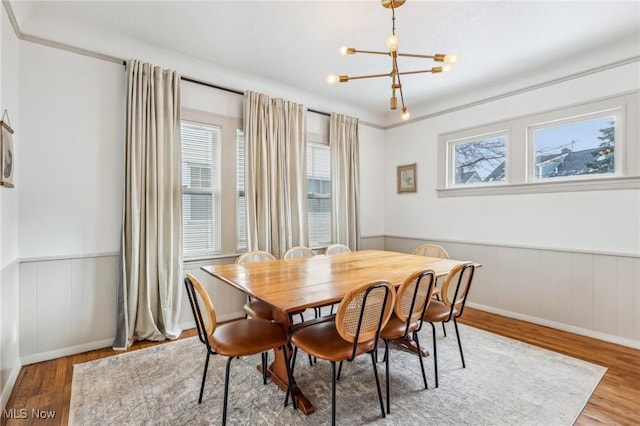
(9, 340)
(68, 305)
(593, 294)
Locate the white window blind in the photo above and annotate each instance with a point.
(242, 203)
(200, 189)
(319, 194)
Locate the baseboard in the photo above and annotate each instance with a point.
(72, 350)
(6, 392)
(559, 326)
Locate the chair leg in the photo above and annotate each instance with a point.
(444, 330)
(265, 360)
(333, 392)
(226, 392)
(455, 323)
(339, 370)
(386, 365)
(204, 376)
(424, 376)
(435, 353)
(375, 373)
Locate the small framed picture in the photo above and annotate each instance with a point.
(7, 160)
(407, 178)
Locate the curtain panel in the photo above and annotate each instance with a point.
(150, 278)
(345, 180)
(275, 173)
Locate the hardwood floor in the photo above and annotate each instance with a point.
(46, 386)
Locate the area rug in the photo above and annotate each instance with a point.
(506, 382)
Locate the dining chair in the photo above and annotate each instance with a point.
(454, 292)
(256, 308)
(234, 339)
(355, 331)
(431, 250)
(412, 299)
(336, 248)
(298, 251)
(253, 307)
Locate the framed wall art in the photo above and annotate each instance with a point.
(7, 158)
(407, 179)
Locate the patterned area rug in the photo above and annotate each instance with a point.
(506, 382)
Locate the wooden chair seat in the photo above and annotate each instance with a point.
(323, 341)
(247, 337)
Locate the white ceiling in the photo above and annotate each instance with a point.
(503, 45)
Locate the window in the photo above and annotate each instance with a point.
(575, 147)
(319, 194)
(480, 160)
(200, 189)
(242, 201)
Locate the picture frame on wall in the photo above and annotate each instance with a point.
(7, 157)
(407, 178)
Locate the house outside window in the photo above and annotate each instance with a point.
(580, 148)
(480, 160)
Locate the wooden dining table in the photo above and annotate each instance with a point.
(292, 285)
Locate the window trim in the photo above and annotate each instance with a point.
(520, 151)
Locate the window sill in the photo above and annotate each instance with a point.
(603, 184)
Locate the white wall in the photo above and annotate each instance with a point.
(553, 220)
(593, 231)
(72, 153)
(72, 159)
(9, 323)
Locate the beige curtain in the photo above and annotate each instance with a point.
(345, 180)
(150, 279)
(275, 173)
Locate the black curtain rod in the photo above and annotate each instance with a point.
(238, 92)
(226, 89)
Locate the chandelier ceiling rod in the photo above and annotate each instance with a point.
(392, 43)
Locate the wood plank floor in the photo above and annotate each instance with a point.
(616, 401)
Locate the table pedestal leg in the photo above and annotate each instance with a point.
(278, 373)
(408, 343)
(278, 368)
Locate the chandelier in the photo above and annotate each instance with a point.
(392, 43)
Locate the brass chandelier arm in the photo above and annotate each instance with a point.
(431, 70)
(358, 77)
(372, 52)
(415, 55)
